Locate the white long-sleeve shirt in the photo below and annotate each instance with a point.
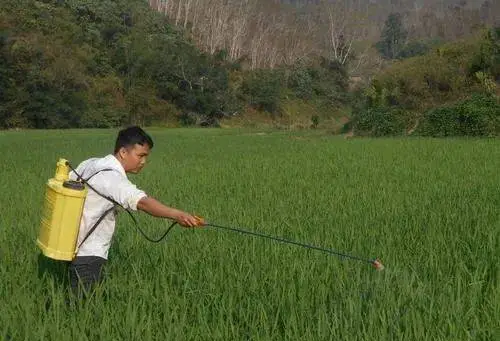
(114, 184)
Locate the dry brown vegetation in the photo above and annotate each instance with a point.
(264, 33)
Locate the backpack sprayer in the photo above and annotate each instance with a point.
(62, 212)
(63, 207)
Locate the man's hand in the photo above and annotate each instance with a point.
(157, 209)
(187, 220)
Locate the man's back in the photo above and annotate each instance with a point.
(108, 177)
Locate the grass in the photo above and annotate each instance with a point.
(428, 208)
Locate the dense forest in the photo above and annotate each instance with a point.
(374, 67)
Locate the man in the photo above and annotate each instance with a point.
(108, 177)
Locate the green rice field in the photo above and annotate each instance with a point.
(429, 209)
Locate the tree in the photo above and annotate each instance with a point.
(341, 34)
(393, 37)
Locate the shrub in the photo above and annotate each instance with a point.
(476, 116)
(301, 82)
(380, 121)
(263, 88)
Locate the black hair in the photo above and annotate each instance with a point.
(131, 136)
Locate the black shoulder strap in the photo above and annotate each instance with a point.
(101, 170)
(105, 213)
(95, 225)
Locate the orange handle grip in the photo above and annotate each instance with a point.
(200, 220)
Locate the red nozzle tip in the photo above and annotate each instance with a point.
(377, 264)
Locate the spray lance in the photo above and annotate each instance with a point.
(376, 263)
(63, 207)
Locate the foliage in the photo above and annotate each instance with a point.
(414, 48)
(380, 121)
(103, 64)
(487, 57)
(476, 116)
(322, 82)
(394, 42)
(301, 82)
(89, 63)
(448, 91)
(264, 89)
(393, 37)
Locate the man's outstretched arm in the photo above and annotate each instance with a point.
(157, 209)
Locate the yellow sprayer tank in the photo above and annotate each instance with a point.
(62, 212)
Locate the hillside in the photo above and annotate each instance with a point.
(266, 33)
(452, 90)
(106, 63)
(90, 63)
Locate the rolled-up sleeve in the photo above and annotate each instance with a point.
(120, 189)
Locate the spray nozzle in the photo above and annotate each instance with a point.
(377, 264)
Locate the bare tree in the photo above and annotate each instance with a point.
(159, 5)
(270, 32)
(238, 28)
(298, 38)
(344, 26)
(196, 13)
(216, 23)
(260, 30)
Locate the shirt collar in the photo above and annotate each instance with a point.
(113, 162)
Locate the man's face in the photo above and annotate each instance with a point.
(134, 158)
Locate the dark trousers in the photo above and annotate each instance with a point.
(85, 272)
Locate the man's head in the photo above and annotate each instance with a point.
(132, 148)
